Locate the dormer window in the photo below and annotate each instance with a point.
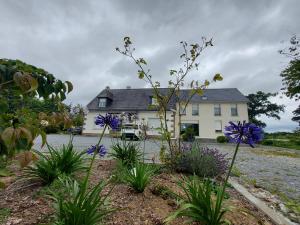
(154, 101)
(102, 102)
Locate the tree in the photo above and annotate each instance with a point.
(296, 116)
(190, 57)
(259, 104)
(21, 87)
(291, 75)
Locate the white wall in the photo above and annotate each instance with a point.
(206, 118)
(147, 117)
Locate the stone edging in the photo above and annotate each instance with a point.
(276, 217)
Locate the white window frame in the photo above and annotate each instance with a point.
(217, 107)
(195, 107)
(102, 102)
(182, 110)
(234, 107)
(218, 127)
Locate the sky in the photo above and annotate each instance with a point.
(76, 41)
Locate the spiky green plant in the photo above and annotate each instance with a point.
(199, 203)
(139, 176)
(48, 167)
(78, 206)
(127, 152)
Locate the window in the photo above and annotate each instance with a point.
(182, 110)
(154, 101)
(234, 110)
(217, 109)
(153, 123)
(102, 102)
(195, 109)
(218, 126)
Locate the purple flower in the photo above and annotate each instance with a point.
(101, 150)
(108, 120)
(247, 133)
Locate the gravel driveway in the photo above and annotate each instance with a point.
(264, 166)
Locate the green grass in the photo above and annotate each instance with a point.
(283, 139)
(276, 153)
(4, 213)
(236, 172)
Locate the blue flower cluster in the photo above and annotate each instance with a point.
(101, 150)
(108, 120)
(247, 133)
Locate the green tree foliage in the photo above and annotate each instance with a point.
(296, 116)
(259, 104)
(291, 74)
(24, 89)
(77, 115)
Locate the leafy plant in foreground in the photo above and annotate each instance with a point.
(127, 152)
(65, 160)
(204, 162)
(139, 176)
(79, 206)
(199, 204)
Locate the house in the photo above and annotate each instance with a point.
(207, 114)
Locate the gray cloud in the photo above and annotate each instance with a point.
(75, 40)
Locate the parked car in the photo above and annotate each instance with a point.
(131, 131)
(75, 130)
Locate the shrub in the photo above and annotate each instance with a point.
(267, 142)
(189, 134)
(127, 152)
(139, 176)
(199, 203)
(222, 139)
(59, 161)
(204, 162)
(75, 205)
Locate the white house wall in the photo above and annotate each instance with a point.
(143, 117)
(206, 118)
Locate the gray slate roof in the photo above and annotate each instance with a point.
(140, 99)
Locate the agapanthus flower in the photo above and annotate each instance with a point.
(101, 150)
(247, 133)
(108, 120)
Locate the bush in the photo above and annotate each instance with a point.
(189, 134)
(199, 203)
(75, 205)
(204, 162)
(127, 152)
(139, 176)
(59, 161)
(267, 142)
(222, 139)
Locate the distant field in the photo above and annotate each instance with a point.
(284, 140)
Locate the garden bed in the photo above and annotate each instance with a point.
(31, 206)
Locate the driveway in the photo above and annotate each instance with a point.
(275, 169)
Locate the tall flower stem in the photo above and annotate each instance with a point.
(229, 171)
(86, 180)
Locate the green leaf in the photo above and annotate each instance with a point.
(70, 86)
(141, 74)
(218, 77)
(3, 106)
(44, 138)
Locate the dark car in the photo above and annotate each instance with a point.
(75, 130)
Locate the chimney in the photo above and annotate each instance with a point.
(107, 87)
(128, 87)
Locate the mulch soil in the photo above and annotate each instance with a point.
(27, 206)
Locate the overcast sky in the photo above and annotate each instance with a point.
(76, 40)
